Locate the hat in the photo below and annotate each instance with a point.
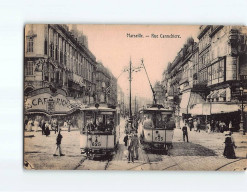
(227, 133)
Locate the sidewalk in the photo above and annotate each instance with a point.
(241, 143)
(216, 140)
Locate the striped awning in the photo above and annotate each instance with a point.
(223, 93)
(209, 96)
(215, 95)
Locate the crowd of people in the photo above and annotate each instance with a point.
(46, 125)
(131, 142)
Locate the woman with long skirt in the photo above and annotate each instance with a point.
(229, 146)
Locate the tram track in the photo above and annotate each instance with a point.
(143, 154)
(80, 163)
(227, 164)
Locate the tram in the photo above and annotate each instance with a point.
(157, 128)
(100, 131)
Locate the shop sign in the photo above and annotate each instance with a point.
(51, 105)
(46, 102)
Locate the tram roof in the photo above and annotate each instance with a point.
(157, 109)
(102, 109)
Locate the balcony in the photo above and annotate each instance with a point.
(233, 37)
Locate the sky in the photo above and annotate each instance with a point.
(111, 45)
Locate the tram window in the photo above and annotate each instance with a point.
(148, 121)
(100, 122)
(162, 120)
(109, 123)
(89, 123)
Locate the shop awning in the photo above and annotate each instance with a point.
(224, 108)
(222, 94)
(215, 94)
(195, 98)
(200, 109)
(213, 108)
(209, 96)
(196, 110)
(184, 103)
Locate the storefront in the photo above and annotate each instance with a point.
(46, 105)
(225, 112)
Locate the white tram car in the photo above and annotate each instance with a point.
(157, 128)
(100, 131)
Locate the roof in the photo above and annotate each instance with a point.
(102, 109)
(157, 109)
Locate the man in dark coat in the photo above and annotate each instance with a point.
(47, 130)
(59, 140)
(185, 132)
(126, 140)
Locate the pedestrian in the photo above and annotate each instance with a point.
(56, 126)
(58, 143)
(195, 125)
(208, 127)
(135, 145)
(230, 126)
(36, 125)
(125, 140)
(222, 126)
(29, 125)
(131, 151)
(217, 126)
(190, 124)
(69, 125)
(47, 129)
(43, 126)
(185, 132)
(229, 146)
(212, 125)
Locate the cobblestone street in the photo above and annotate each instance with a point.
(202, 152)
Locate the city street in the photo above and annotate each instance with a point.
(202, 152)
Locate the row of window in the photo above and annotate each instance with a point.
(60, 50)
(204, 41)
(216, 73)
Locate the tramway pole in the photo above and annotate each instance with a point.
(130, 70)
(130, 111)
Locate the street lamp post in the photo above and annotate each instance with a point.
(242, 111)
(130, 69)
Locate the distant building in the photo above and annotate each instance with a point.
(106, 85)
(159, 93)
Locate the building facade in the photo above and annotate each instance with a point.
(57, 58)
(213, 74)
(106, 86)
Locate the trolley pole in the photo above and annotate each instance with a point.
(130, 111)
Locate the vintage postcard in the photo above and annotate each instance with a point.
(135, 97)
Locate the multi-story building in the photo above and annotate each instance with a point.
(55, 58)
(106, 85)
(159, 93)
(120, 100)
(103, 79)
(213, 72)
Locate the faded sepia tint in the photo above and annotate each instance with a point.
(135, 97)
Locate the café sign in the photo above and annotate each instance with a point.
(49, 104)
